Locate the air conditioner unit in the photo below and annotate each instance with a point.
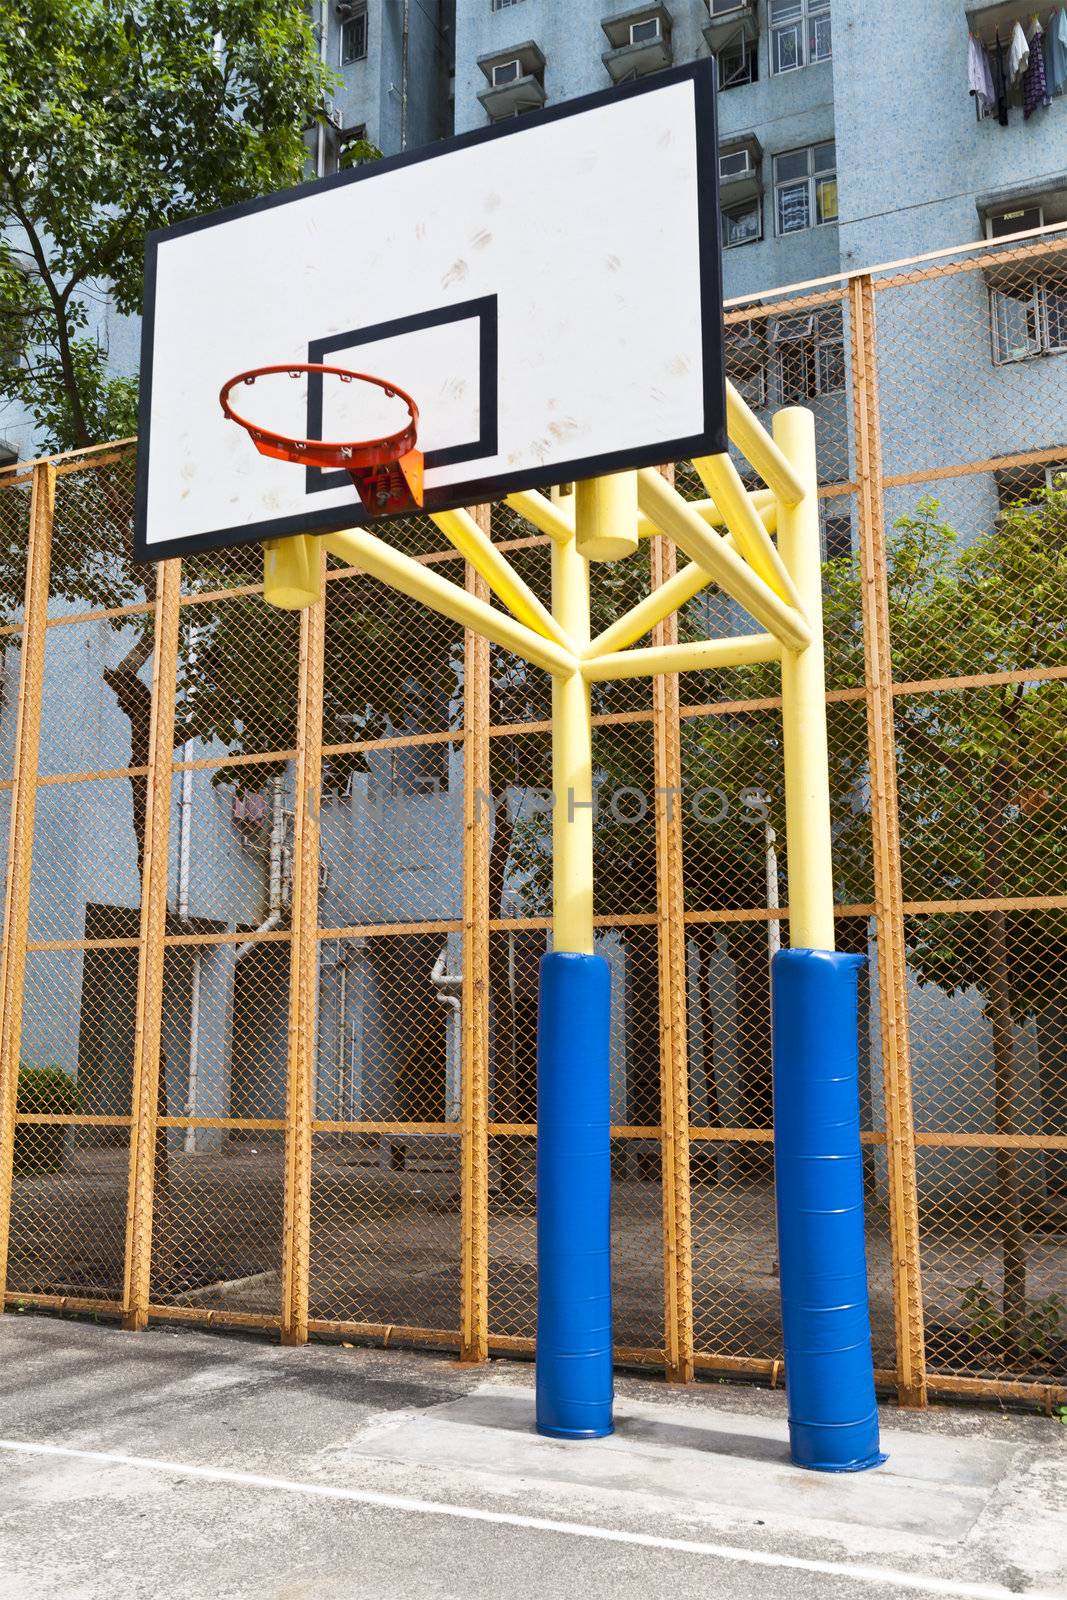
(650, 31)
(1015, 219)
(736, 164)
(507, 72)
(723, 8)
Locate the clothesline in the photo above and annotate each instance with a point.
(1034, 60)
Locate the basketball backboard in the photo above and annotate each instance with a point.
(548, 290)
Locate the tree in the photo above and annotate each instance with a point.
(982, 797)
(118, 117)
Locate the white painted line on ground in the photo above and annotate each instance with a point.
(924, 1583)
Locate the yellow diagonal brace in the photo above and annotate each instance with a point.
(661, 603)
(369, 554)
(460, 528)
(701, 655)
(722, 480)
(756, 445)
(762, 500)
(544, 513)
(703, 545)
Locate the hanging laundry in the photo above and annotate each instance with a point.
(1018, 55)
(1056, 52)
(1035, 90)
(999, 69)
(980, 79)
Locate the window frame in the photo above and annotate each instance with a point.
(806, 19)
(754, 204)
(813, 178)
(821, 349)
(748, 50)
(363, 19)
(1042, 339)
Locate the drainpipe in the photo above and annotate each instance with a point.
(320, 141)
(404, 44)
(275, 897)
(449, 988)
(756, 800)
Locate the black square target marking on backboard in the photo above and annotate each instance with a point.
(364, 349)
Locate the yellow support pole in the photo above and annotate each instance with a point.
(606, 517)
(461, 530)
(721, 478)
(663, 602)
(554, 517)
(572, 764)
(807, 767)
(762, 502)
(371, 555)
(700, 655)
(292, 572)
(709, 550)
(760, 450)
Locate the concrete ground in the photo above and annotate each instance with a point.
(197, 1466)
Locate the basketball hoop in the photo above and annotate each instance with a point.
(387, 472)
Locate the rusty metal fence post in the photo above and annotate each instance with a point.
(674, 1062)
(474, 1064)
(888, 890)
(20, 834)
(303, 973)
(148, 1023)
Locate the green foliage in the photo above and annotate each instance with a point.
(1035, 1333)
(356, 153)
(39, 1147)
(982, 782)
(42, 1089)
(117, 117)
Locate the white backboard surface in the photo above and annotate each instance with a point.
(548, 290)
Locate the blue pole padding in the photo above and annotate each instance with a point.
(833, 1414)
(574, 1353)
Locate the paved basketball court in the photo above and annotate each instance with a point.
(185, 1465)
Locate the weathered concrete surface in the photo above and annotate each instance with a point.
(971, 1503)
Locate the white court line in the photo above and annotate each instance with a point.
(575, 1530)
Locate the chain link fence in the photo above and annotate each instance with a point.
(277, 886)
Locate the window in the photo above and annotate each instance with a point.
(646, 32)
(805, 187)
(1028, 320)
(800, 33)
(506, 72)
(502, 5)
(742, 224)
(354, 38)
(738, 63)
(809, 356)
(746, 361)
(1017, 485)
(837, 539)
